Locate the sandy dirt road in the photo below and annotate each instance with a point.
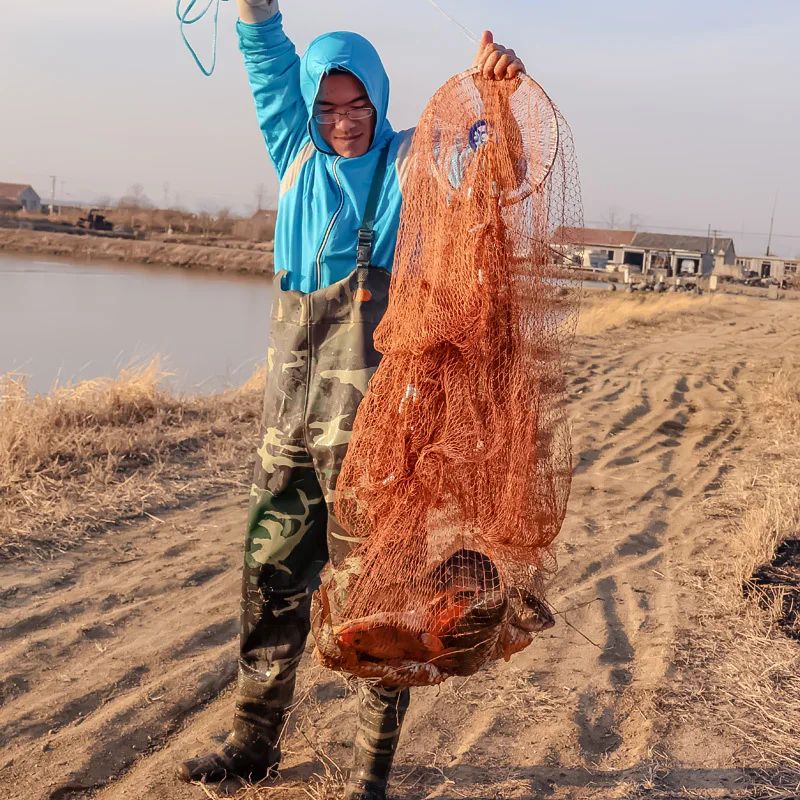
(117, 659)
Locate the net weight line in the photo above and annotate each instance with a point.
(465, 30)
(185, 18)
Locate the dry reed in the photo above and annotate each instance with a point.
(101, 452)
(605, 312)
(745, 670)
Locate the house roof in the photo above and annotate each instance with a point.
(671, 241)
(12, 191)
(602, 237)
(594, 237)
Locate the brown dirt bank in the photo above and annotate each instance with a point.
(254, 259)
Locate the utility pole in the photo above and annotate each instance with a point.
(53, 178)
(715, 236)
(166, 195)
(771, 226)
(259, 197)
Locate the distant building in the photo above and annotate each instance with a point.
(17, 196)
(676, 254)
(778, 269)
(597, 248)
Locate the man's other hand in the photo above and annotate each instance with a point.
(495, 61)
(255, 11)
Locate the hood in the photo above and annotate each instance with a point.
(351, 52)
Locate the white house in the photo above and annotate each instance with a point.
(16, 196)
(642, 251)
(778, 269)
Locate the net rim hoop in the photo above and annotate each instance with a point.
(523, 77)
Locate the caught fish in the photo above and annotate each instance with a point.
(513, 640)
(389, 637)
(541, 618)
(452, 611)
(467, 570)
(468, 622)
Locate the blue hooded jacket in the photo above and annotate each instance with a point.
(322, 196)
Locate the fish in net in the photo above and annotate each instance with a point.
(458, 471)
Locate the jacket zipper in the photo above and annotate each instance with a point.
(333, 222)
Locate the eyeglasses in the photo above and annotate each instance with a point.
(331, 118)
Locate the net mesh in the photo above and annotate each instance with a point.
(458, 472)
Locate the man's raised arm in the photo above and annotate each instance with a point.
(273, 69)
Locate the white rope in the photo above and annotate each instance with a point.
(467, 32)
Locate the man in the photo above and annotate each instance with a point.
(340, 167)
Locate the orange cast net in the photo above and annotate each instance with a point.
(458, 472)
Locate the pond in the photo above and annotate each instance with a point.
(66, 321)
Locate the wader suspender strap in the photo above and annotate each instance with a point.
(366, 234)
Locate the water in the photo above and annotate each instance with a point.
(65, 321)
(596, 284)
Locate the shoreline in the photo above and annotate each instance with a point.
(241, 257)
(252, 260)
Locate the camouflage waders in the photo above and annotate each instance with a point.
(320, 360)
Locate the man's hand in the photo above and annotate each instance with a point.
(254, 11)
(495, 61)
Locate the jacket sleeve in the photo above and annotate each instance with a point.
(403, 157)
(273, 69)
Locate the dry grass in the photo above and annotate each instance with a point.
(605, 312)
(324, 778)
(327, 785)
(745, 670)
(100, 452)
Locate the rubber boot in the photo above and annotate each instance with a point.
(251, 751)
(381, 711)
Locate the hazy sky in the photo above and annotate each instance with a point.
(685, 113)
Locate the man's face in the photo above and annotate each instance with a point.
(339, 94)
